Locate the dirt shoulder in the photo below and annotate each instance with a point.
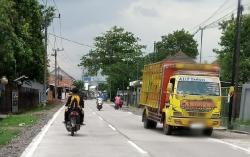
(18, 144)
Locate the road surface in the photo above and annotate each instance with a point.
(121, 134)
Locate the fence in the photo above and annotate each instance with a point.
(27, 98)
(225, 105)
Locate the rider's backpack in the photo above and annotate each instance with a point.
(75, 101)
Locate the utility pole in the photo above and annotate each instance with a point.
(56, 72)
(45, 60)
(155, 50)
(201, 28)
(46, 24)
(235, 72)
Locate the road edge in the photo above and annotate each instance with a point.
(30, 149)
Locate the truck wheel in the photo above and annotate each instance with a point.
(146, 123)
(153, 124)
(167, 129)
(208, 131)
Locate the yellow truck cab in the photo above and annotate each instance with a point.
(181, 95)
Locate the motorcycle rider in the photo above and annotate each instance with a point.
(75, 97)
(118, 101)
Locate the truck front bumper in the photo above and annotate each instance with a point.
(188, 122)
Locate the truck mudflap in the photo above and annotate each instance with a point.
(193, 122)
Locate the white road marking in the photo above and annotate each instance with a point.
(28, 152)
(130, 113)
(230, 144)
(93, 113)
(137, 147)
(112, 127)
(100, 118)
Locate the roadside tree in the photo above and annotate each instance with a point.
(172, 43)
(116, 53)
(21, 38)
(227, 43)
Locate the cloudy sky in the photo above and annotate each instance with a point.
(83, 20)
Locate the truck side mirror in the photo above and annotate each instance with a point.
(170, 87)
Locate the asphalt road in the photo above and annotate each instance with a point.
(116, 133)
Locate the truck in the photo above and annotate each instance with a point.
(181, 95)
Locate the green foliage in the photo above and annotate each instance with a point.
(116, 53)
(15, 120)
(7, 134)
(11, 126)
(103, 87)
(227, 43)
(170, 44)
(21, 38)
(78, 84)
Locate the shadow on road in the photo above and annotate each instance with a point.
(181, 132)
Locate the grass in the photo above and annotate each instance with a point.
(244, 123)
(7, 134)
(11, 126)
(19, 120)
(42, 108)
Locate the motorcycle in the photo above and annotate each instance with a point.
(118, 105)
(99, 103)
(73, 125)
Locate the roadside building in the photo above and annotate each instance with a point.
(64, 84)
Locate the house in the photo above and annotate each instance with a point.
(181, 57)
(64, 84)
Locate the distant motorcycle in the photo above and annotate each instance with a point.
(73, 125)
(118, 105)
(99, 103)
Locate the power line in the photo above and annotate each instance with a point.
(214, 23)
(56, 6)
(69, 40)
(214, 12)
(60, 21)
(210, 25)
(211, 16)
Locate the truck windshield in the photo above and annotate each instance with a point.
(198, 88)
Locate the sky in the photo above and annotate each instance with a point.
(83, 20)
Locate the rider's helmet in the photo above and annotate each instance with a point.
(75, 90)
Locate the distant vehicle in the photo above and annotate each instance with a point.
(118, 102)
(104, 96)
(84, 95)
(99, 103)
(181, 95)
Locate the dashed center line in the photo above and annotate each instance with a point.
(112, 127)
(137, 147)
(100, 118)
(235, 147)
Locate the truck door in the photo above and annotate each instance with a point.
(170, 95)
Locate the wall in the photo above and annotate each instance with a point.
(27, 98)
(245, 103)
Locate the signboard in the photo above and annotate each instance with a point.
(86, 78)
(14, 101)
